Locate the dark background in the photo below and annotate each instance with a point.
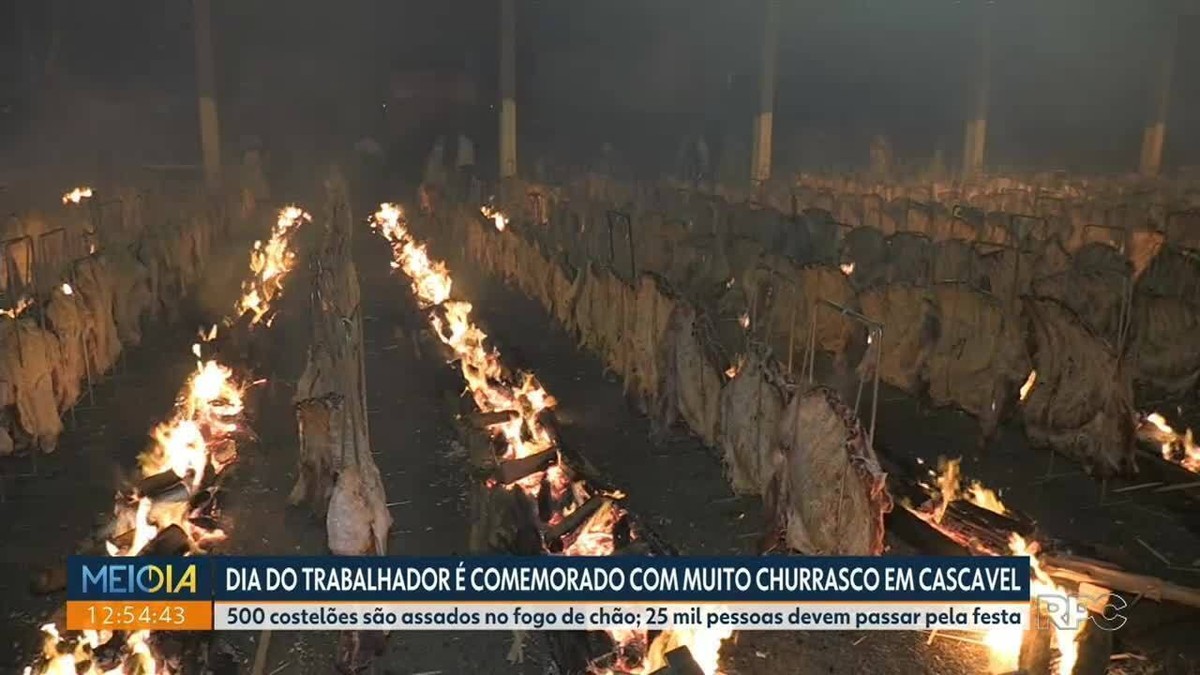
(112, 83)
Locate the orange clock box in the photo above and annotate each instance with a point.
(139, 615)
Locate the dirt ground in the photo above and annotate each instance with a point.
(697, 513)
(423, 469)
(53, 502)
(70, 497)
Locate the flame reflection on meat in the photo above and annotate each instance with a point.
(1029, 384)
(23, 304)
(736, 367)
(524, 433)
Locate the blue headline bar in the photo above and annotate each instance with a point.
(554, 578)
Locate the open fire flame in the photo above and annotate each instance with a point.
(195, 441)
(519, 399)
(77, 195)
(948, 479)
(1004, 645)
(269, 265)
(190, 451)
(1030, 383)
(1175, 447)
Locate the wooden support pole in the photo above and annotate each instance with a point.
(764, 119)
(508, 89)
(1155, 132)
(210, 136)
(977, 104)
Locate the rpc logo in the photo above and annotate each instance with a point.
(128, 578)
(1070, 612)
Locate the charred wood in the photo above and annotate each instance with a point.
(1099, 573)
(109, 655)
(680, 662)
(503, 521)
(573, 520)
(1036, 656)
(919, 534)
(573, 652)
(206, 501)
(972, 519)
(223, 451)
(484, 420)
(1095, 649)
(159, 484)
(169, 541)
(512, 470)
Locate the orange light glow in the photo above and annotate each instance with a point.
(195, 443)
(498, 218)
(269, 266)
(77, 195)
(523, 431)
(1174, 446)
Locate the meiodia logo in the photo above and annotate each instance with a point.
(127, 578)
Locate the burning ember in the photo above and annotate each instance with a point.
(171, 510)
(269, 265)
(1178, 448)
(23, 304)
(77, 195)
(847, 268)
(67, 290)
(1004, 645)
(1029, 384)
(517, 401)
(498, 218)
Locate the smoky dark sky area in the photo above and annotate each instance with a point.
(101, 84)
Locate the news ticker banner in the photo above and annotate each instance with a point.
(548, 593)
